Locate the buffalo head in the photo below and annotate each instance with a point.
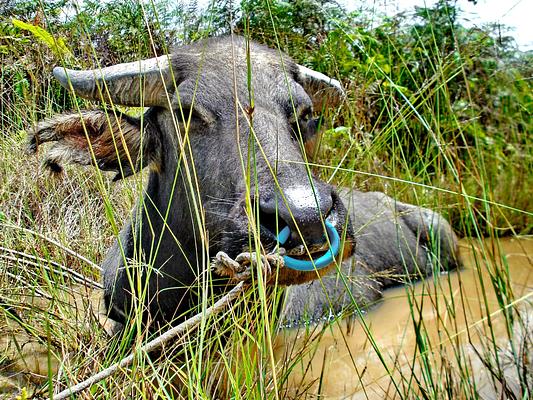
(224, 138)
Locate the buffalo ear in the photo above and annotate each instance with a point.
(109, 140)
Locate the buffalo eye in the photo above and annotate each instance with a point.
(306, 126)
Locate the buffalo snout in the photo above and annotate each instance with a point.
(304, 209)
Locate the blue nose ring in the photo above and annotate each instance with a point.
(319, 263)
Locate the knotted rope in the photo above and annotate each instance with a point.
(224, 265)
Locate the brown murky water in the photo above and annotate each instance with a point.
(25, 359)
(343, 361)
(456, 314)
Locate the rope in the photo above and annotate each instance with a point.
(155, 343)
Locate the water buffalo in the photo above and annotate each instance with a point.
(227, 121)
(395, 243)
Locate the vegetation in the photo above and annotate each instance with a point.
(436, 114)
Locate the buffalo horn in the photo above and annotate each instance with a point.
(138, 83)
(320, 87)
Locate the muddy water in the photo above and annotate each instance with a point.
(455, 312)
(25, 360)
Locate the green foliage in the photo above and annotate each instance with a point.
(58, 45)
(428, 98)
(117, 31)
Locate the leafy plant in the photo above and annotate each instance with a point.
(58, 45)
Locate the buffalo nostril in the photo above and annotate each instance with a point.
(313, 235)
(270, 220)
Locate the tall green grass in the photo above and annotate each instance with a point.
(439, 134)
